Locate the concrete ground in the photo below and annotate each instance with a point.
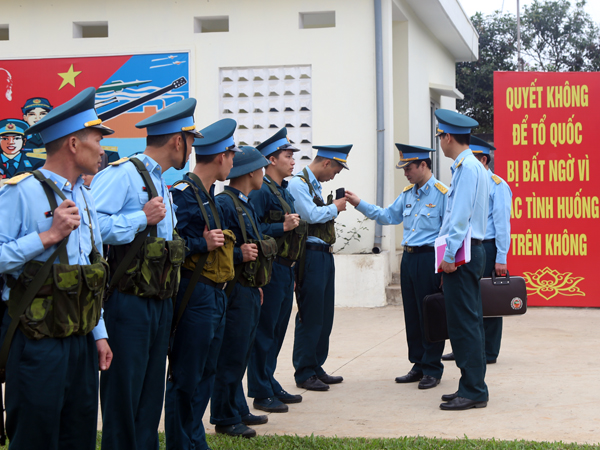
(544, 387)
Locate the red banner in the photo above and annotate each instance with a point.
(545, 130)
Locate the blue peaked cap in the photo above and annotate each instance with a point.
(247, 160)
(36, 102)
(218, 138)
(74, 115)
(454, 123)
(338, 153)
(172, 119)
(13, 126)
(279, 141)
(480, 146)
(411, 153)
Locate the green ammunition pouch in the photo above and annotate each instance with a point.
(291, 244)
(149, 266)
(324, 231)
(254, 273)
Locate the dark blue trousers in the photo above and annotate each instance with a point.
(194, 352)
(314, 320)
(492, 325)
(274, 318)
(417, 280)
(228, 402)
(51, 392)
(132, 390)
(464, 313)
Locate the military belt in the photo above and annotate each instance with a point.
(285, 261)
(185, 273)
(476, 241)
(320, 248)
(418, 249)
(489, 241)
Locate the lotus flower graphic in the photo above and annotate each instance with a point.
(549, 283)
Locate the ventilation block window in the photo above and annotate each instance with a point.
(3, 32)
(90, 30)
(322, 19)
(212, 24)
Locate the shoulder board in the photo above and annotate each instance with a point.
(14, 180)
(119, 162)
(440, 187)
(496, 179)
(408, 188)
(459, 163)
(303, 179)
(180, 186)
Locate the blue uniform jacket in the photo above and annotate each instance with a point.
(263, 201)
(420, 210)
(230, 216)
(467, 204)
(190, 221)
(306, 207)
(120, 197)
(19, 234)
(498, 221)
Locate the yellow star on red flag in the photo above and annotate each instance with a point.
(68, 77)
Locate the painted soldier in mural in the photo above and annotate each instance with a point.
(34, 110)
(12, 142)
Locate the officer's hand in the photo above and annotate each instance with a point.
(155, 210)
(105, 354)
(447, 267)
(66, 218)
(261, 296)
(352, 198)
(340, 204)
(249, 252)
(214, 238)
(291, 221)
(501, 269)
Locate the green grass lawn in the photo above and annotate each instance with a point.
(220, 442)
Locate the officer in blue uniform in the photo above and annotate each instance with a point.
(421, 207)
(467, 208)
(132, 392)
(228, 405)
(279, 293)
(197, 340)
(34, 110)
(52, 383)
(315, 292)
(13, 159)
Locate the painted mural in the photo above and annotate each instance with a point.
(129, 89)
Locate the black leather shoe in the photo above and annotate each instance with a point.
(286, 397)
(448, 357)
(491, 361)
(428, 382)
(461, 403)
(330, 379)
(410, 377)
(449, 397)
(271, 404)
(237, 430)
(251, 419)
(313, 384)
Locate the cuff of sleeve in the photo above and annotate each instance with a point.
(277, 229)
(449, 257)
(138, 219)
(334, 211)
(100, 331)
(238, 256)
(31, 246)
(362, 207)
(500, 259)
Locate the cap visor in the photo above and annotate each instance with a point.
(402, 164)
(196, 133)
(289, 147)
(105, 130)
(343, 164)
(235, 148)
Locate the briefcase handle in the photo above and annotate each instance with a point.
(499, 280)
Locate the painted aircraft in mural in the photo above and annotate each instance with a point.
(118, 85)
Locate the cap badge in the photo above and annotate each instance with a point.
(10, 126)
(37, 101)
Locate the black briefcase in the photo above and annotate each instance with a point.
(503, 296)
(434, 318)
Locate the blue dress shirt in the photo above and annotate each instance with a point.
(498, 221)
(421, 210)
(120, 198)
(263, 201)
(467, 204)
(19, 234)
(306, 207)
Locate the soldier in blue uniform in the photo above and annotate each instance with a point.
(278, 219)
(13, 159)
(467, 208)
(34, 110)
(198, 333)
(315, 291)
(496, 243)
(52, 383)
(134, 206)
(228, 407)
(421, 207)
